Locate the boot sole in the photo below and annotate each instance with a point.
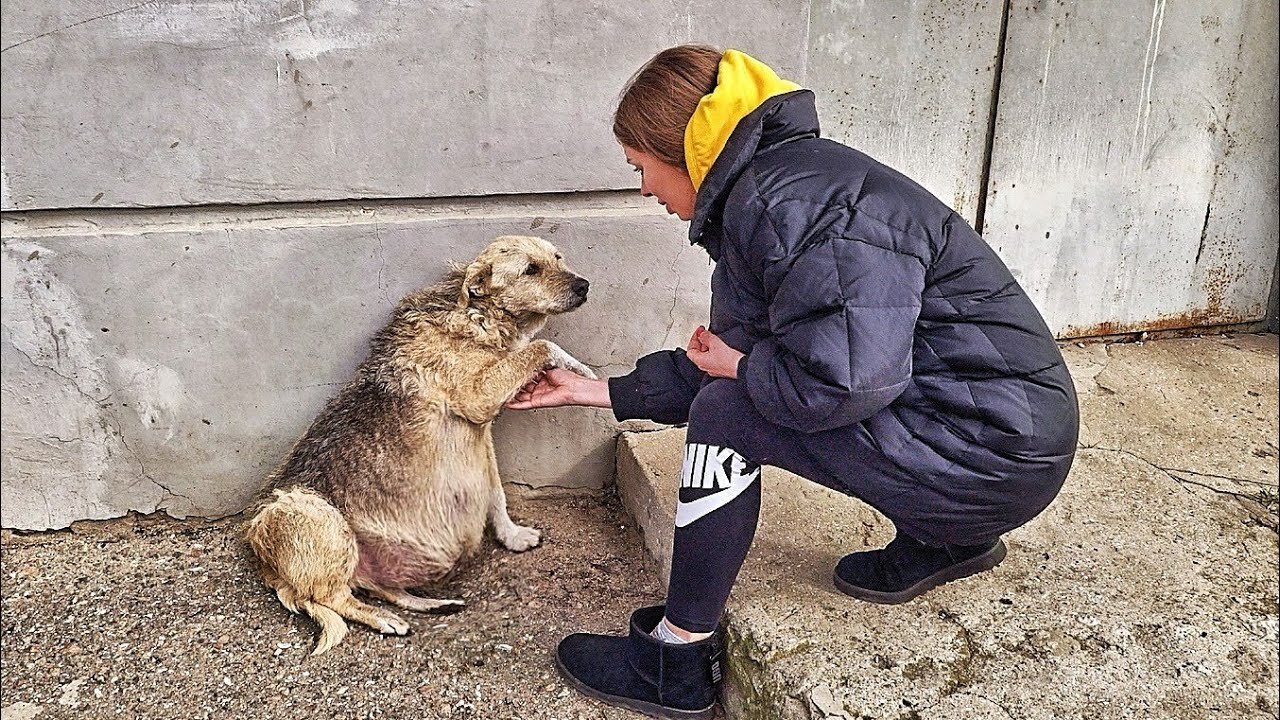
(640, 706)
(972, 566)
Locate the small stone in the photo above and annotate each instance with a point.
(825, 701)
(21, 711)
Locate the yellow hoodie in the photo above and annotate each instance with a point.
(742, 85)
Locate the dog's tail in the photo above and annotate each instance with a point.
(308, 554)
(332, 627)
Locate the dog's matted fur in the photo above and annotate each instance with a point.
(394, 481)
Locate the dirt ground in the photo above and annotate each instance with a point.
(155, 618)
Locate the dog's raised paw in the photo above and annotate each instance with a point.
(522, 538)
(562, 359)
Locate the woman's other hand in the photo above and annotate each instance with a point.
(558, 388)
(711, 355)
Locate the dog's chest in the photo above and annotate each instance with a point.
(454, 487)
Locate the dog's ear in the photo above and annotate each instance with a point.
(475, 282)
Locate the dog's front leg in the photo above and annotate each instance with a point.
(493, 386)
(517, 538)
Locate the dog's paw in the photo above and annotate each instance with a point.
(392, 624)
(585, 372)
(521, 538)
(562, 359)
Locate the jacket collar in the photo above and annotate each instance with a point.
(778, 120)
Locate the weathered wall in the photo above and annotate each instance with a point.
(910, 83)
(166, 358)
(1133, 173)
(170, 362)
(231, 101)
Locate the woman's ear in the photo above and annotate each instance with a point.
(475, 282)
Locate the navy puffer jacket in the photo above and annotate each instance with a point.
(863, 302)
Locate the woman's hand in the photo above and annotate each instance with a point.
(711, 355)
(557, 388)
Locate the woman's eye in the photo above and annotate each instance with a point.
(533, 269)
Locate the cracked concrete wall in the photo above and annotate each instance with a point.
(208, 207)
(1133, 178)
(169, 360)
(175, 103)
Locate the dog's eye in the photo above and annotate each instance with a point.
(533, 269)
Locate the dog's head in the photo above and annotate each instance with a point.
(525, 276)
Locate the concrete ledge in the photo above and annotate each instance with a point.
(1147, 590)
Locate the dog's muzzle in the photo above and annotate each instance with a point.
(578, 287)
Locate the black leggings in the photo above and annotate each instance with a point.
(719, 504)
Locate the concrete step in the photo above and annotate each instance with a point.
(1141, 592)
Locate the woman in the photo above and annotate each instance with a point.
(862, 336)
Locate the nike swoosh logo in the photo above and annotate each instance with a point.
(695, 509)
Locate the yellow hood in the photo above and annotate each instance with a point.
(742, 85)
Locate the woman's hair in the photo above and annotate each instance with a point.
(660, 98)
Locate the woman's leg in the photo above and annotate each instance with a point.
(719, 501)
(719, 506)
(717, 511)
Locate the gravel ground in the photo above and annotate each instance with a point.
(154, 618)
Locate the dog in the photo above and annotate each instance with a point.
(396, 480)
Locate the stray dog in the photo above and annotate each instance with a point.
(393, 483)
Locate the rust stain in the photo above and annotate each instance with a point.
(1179, 321)
(1213, 314)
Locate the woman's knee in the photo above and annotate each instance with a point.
(718, 401)
(722, 414)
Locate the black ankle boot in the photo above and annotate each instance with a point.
(642, 673)
(907, 568)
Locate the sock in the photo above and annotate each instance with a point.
(664, 633)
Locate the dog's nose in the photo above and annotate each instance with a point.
(580, 287)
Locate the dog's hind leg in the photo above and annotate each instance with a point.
(308, 554)
(387, 623)
(409, 601)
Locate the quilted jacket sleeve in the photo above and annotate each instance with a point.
(843, 324)
(661, 388)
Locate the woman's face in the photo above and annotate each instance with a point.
(670, 184)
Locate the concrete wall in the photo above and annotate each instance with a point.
(1134, 163)
(910, 83)
(208, 207)
(169, 360)
(177, 103)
